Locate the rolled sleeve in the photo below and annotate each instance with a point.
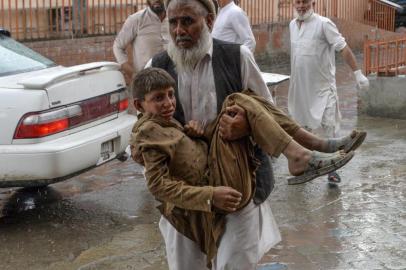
(333, 36)
(126, 36)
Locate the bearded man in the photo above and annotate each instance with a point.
(147, 32)
(312, 99)
(206, 71)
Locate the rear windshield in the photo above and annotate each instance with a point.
(17, 58)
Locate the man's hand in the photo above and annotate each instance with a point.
(362, 81)
(194, 129)
(226, 198)
(234, 123)
(128, 72)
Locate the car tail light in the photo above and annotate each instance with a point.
(122, 100)
(45, 123)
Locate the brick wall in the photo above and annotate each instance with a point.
(273, 44)
(70, 52)
(273, 40)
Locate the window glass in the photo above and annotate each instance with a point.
(17, 58)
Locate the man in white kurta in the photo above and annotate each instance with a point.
(232, 25)
(251, 231)
(312, 99)
(147, 32)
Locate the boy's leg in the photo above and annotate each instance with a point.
(270, 136)
(306, 138)
(261, 116)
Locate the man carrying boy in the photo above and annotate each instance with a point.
(176, 165)
(206, 71)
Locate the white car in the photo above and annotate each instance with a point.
(55, 121)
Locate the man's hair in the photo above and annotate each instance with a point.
(150, 79)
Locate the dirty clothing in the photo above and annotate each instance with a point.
(182, 178)
(147, 35)
(232, 24)
(312, 83)
(227, 68)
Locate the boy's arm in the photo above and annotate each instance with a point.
(167, 189)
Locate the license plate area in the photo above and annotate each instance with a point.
(106, 152)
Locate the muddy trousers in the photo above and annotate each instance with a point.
(232, 163)
(270, 128)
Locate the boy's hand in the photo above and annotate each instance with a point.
(226, 198)
(194, 129)
(234, 123)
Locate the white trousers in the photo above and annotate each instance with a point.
(330, 122)
(248, 235)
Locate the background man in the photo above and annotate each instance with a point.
(312, 99)
(147, 32)
(232, 24)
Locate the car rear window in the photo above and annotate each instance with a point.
(17, 58)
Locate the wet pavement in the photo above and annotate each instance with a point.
(106, 219)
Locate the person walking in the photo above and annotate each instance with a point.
(312, 97)
(232, 24)
(147, 32)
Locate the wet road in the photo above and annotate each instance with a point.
(106, 219)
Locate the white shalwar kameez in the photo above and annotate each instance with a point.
(232, 24)
(147, 34)
(249, 232)
(312, 99)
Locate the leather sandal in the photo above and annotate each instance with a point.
(333, 178)
(347, 143)
(322, 164)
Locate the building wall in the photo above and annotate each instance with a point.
(273, 44)
(273, 40)
(70, 52)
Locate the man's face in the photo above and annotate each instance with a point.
(158, 102)
(156, 6)
(186, 25)
(302, 6)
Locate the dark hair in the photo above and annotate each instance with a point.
(150, 79)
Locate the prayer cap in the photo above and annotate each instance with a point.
(208, 4)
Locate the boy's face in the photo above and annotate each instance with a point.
(158, 102)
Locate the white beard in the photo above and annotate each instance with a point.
(187, 59)
(304, 16)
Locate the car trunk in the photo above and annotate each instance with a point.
(92, 89)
